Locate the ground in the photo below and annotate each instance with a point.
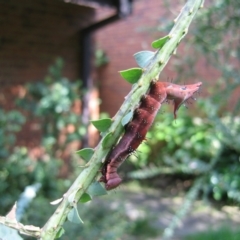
(160, 209)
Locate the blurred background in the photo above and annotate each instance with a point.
(59, 63)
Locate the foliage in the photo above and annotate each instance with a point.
(52, 101)
(224, 232)
(17, 170)
(55, 103)
(13, 161)
(10, 123)
(101, 58)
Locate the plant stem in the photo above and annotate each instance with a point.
(179, 30)
(184, 209)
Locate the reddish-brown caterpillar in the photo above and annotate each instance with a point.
(137, 128)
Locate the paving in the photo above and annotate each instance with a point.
(154, 204)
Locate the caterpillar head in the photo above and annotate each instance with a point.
(180, 93)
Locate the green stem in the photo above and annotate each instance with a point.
(152, 71)
(184, 209)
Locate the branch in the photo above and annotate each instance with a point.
(28, 230)
(54, 224)
(10, 221)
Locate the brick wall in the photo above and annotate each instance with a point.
(34, 33)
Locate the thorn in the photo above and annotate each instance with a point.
(185, 31)
(147, 143)
(146, 139)
(135, 155)
(175, 20)
(190, 11)
(167, 101)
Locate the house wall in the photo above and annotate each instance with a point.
(34, 33)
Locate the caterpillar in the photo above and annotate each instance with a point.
(137, 128)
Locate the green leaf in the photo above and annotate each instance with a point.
(160, 42)
(143, 58)
(106, 143)
(85, 198)
(74, 217)
(85, 153)
(126, 119)
(96, 189)
(60, 232)
(102, 125)
(131, 75)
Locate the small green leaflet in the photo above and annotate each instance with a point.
(126, 119)
(143, 58)
(102, 125)
(160, 42)
(73, 216)
(60, 232)
(106, 143)
(85, 153)
(85, 198)
(96, 189)
(131, 75)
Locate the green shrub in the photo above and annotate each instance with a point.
(50, 101)
(223, 233)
